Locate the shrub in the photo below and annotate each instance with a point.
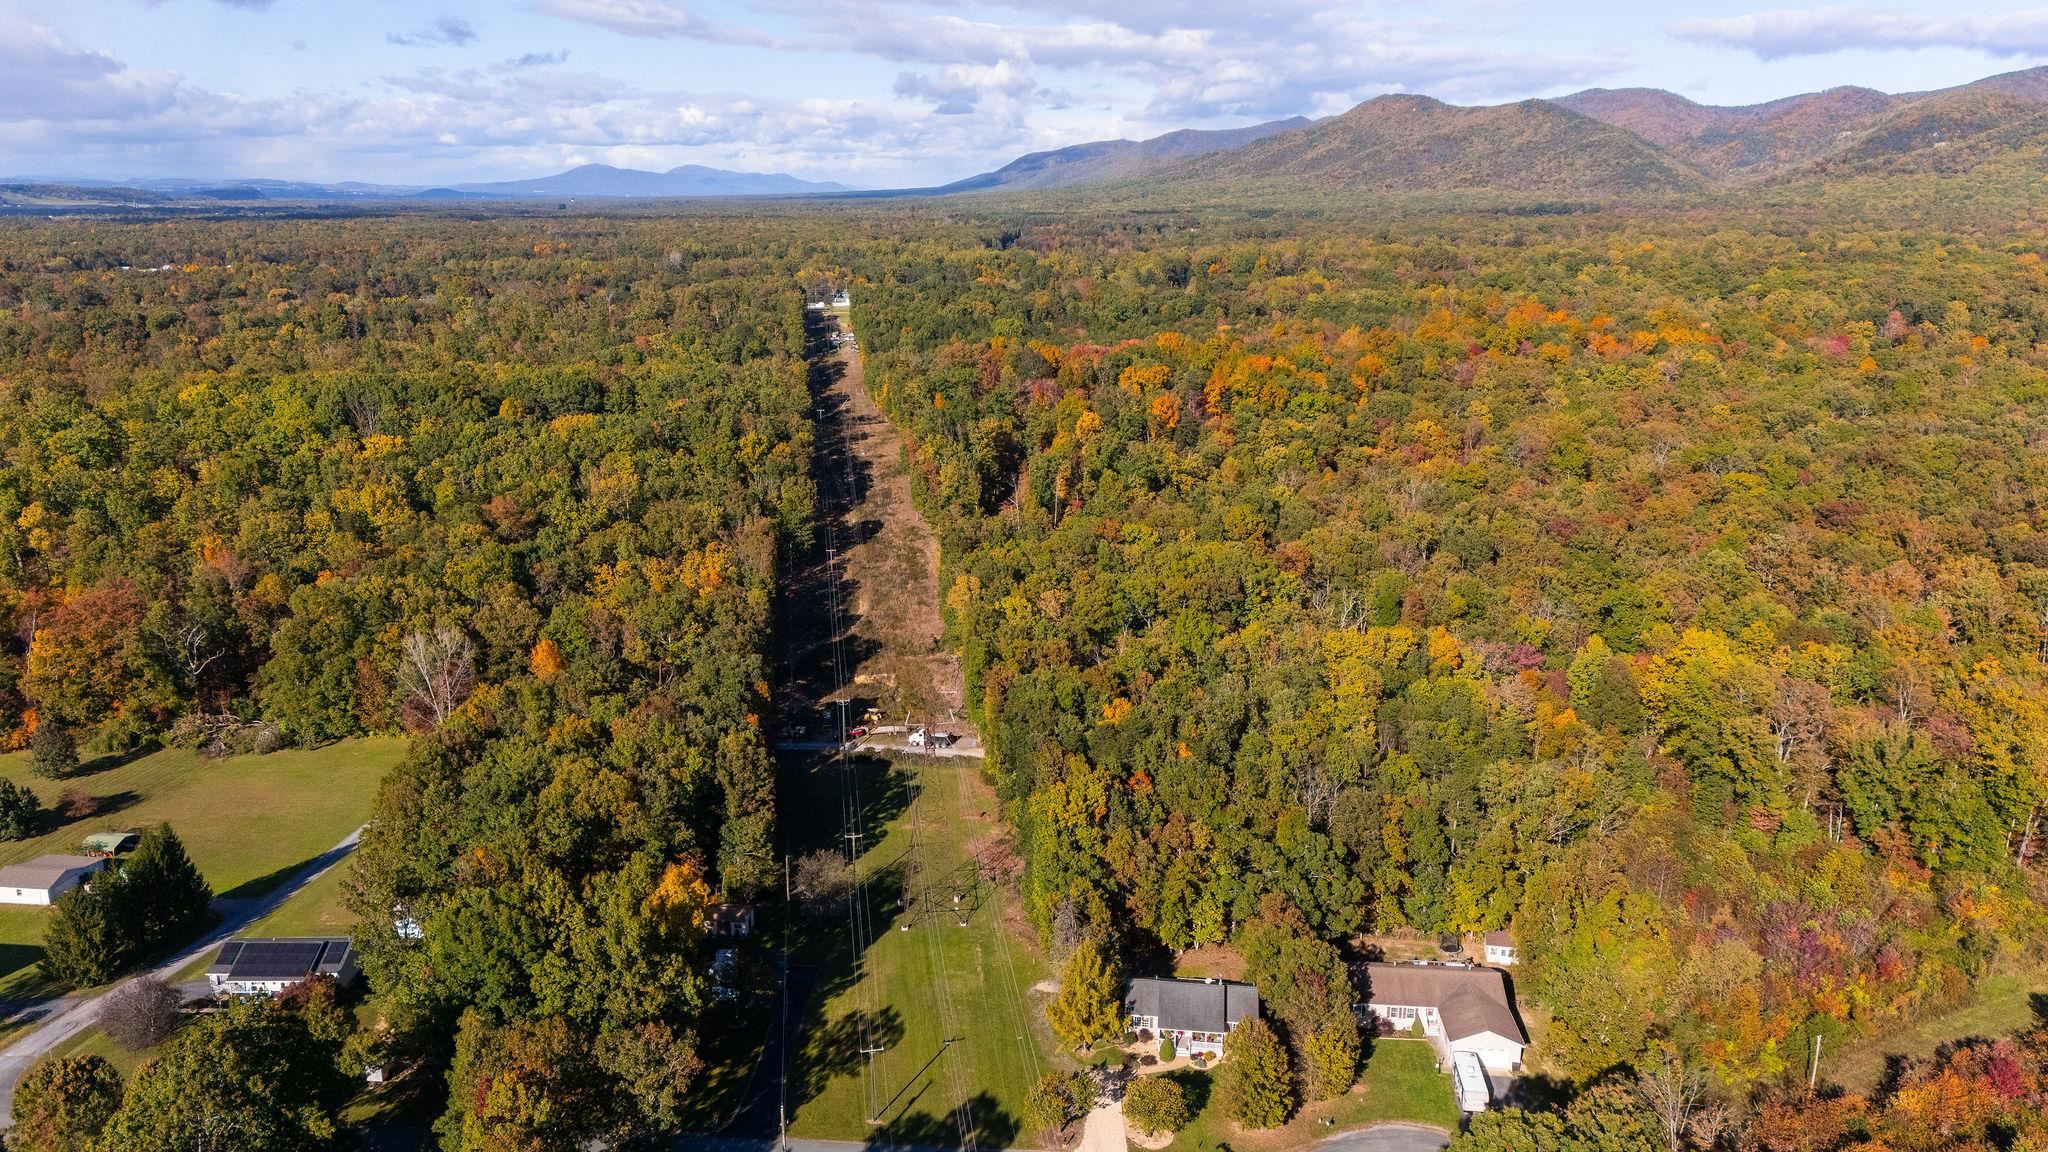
(1155, 1104)
(1166, 1049)
(77, 804)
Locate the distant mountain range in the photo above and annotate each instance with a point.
(1596, 145)
(1104, 160)
(595, 181)
(688, 180)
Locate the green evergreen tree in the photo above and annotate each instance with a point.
(87, 941)
(161, 892)
(21, 814)
(1330, 1060)
(1254, 1079)
(1087, 1012)
(52, 753)
(63, 1103)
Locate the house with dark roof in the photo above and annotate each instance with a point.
(1462, 1009)
(265, 967)
(45, 878)
(1196, 1014)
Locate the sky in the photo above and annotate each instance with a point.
(872, 93)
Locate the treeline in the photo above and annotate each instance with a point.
(1672, 591)
(517, 488)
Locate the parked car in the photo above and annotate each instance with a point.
(859, 732)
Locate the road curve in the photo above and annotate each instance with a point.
(65, 1018)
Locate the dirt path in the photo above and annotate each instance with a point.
(888, 563)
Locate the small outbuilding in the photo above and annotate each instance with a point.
(267, 966)
(732, 921)
(42, 880)
(1500, 948)
(111, 843)
(1196, 1014)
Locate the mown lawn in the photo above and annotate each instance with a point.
(248, 821)
(950, 1006)
(1400, 1084)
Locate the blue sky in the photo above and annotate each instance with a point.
(868, 92)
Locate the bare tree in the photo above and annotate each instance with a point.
(435, 674)
(1799, 715)
(820, 879)
(140, 1013)
(363, 411)
(1675, 1092)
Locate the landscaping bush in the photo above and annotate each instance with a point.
(77, 804)
(1155, 1104)
(1166, 1049)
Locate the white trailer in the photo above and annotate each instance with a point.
(1469, 1077)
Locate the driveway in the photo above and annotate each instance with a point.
(65, 1018)
(1388, 1138)
(1103, 1130)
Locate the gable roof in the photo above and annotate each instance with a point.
(45, 871)
(1500, 938)
(1192, 1005)
(286, 959)
(1470, 1000)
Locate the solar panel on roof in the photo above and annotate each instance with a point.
(277, 960)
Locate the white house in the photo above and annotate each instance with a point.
(265, 967)
(1463, 1009)
(1500, 948)
(1195, 1014)
(43, 879)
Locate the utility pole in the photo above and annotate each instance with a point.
(1813, 1072)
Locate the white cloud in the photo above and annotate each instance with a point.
(448, 30)
(658, 19)
(1788, 32)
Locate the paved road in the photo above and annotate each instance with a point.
(63, 1019)
(963, 750)
(1388, 1138)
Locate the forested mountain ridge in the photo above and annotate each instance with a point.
(1103, 160)
(1410, 143)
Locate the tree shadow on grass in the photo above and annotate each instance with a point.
(980, 1122)
(107, 762)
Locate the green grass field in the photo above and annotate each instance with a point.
(950, 1005)
(1400, 1084)
(2003, 1005)
(248, 821)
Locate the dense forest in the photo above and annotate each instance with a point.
(517, 489)
(1671, 590)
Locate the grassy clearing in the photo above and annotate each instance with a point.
(318, 909)
(2003, 1005)
(1400, 1084)
(248, 821)
(912, 984)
